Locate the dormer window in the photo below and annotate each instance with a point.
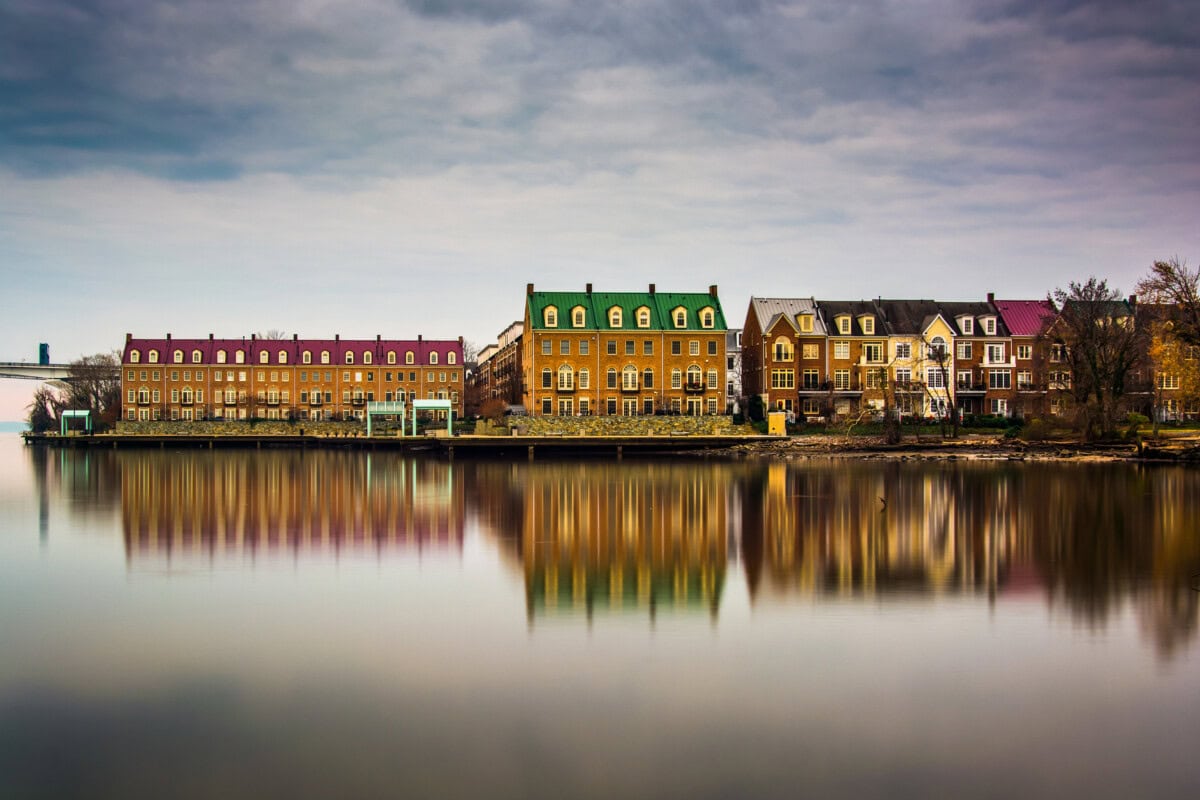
(282, 356)
(134, 357)
(968, 326)
(433, 357)
(153, 357)
(177, 356)
(239, 356)
(679, 317)
(451, 357)
(264, 357)
(643, 317)
(805, 322)
(550, 317)
(391, 358)
(706, 318)
(989, 326)
(614, 317)
(578, 317)
(306, 357)
(868, 325)
(843, 325)
(324, 356)
(409, 358)
(220, 356)
(349, 357)
(195, 356)
(366, 359)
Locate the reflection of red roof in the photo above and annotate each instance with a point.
(1022, 579)
(1026, 317)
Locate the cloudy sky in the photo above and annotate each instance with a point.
(390, 167)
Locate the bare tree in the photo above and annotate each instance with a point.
(273, 334)
(45, 409)
(1102, 342)
(1173, 283)
(94, 384)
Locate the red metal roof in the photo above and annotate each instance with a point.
(1026, 317)
(379, 348)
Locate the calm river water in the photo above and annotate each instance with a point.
(227, 624)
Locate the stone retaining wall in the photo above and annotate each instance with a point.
(628, 426)
(259, 428)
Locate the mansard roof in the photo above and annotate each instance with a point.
(596, 306)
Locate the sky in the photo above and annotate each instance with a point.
(368, 167)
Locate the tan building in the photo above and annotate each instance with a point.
(623, 353)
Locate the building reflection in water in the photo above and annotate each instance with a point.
(229, 503)
(615, 537)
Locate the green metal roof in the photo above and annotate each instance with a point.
(597, 304)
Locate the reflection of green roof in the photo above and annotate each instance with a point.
(597, 304)
(601, 592)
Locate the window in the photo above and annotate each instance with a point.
(391, 357)
(566, 378)
(810, 352)
(547, 406)
(711, 379)
(239, 356)
(614, 317)
(989, 326)
(643, 317)
(564, 347)
(873, 352)
(876, 378)
(1024, 352)
(937, 348)
(841, 349)
(1168, 381)
(903, 350)
(680, 317)
(135, 357)
(577, 317)
(612, 377)
(409, 358)
(282, 356)
(584, 382)
(1025, 379)
(693, 348)
(1000, 407)
(611, 406)
(324, 356)
(547, 347)
(153, 357)
(220, 356)
(783, 349)
(706, 318)
(806, 323)
(177, 356)
(584, 346)
(811, 379)
(868, 325)
(263, 357)
(452, 357)
(366, 357)
(676, 379)
(693, 377)
(843, 325)
(935, 379)
(648, 347)
(648, 379)
(629, 347)
(433, 357)
(675, 347)
(964, 351)
(306, 357)
(963, 379)
(712, 347)
(968, 325)
(903, 376)
(1058, 353)
(629, 378)
(550, 317)
(783, 379)
(841, 379)
(995, 353)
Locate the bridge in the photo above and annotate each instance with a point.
(35, 372)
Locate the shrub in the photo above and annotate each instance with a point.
(1036, 430)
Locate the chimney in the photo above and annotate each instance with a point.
(168, 336)
(529, 288)
(589, 288)
(128, 338)
(253, 336)
(991, 297)
(460, 341)
(210, 337)
(378, 338)
(422, 338)
(337, 337)
(712, 290)
(295, 337)
(652, 288)
(1133, 300)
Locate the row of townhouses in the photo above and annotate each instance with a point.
(257, 378)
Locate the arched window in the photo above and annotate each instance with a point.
(612, 377)
(264, 357)
(135, 357)
(433, 357)
(195, 356)
(366, 357)
(409, 358)
(349, 356)
(629, 378)
(614, 317)
(937, 348)
(550, 317)
(547, 378)
(585, 378)
(643, 317)
(324, 356)
(177, 356)
(680, 317)
(391, 356)
(578, 317)
(153, 358)
(306, 357)
(220, 356)
(239, 356)
(566, 378)
(706, 318)
(693, 376)
(451, 357)
(282, 356)
(783, 349)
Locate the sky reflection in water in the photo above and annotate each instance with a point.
(201, 623)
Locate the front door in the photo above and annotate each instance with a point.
(693, 406)
(629, 406)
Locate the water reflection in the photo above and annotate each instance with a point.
(224, 503)
(612, 536)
